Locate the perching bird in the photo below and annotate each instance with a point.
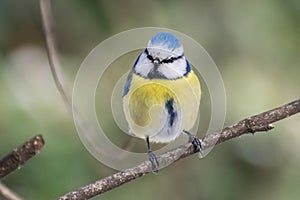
(162, 94)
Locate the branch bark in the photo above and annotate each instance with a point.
(257, 123)
(21, 155)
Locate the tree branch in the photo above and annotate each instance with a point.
(256, 123)
(21, 155)
(7, 193)
(54, 62)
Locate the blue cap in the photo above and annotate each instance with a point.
(164, 38)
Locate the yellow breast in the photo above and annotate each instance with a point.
(145, 104)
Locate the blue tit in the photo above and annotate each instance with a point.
(162, 94)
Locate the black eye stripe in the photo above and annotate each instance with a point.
(150, 58)
(148, 55)
(169, 60)
(172, 59)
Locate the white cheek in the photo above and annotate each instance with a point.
(144, 68)
(173, 70)
(144, 65)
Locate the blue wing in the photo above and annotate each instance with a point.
(188, 68)
(129, 78)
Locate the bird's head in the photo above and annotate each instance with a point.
(163, 58)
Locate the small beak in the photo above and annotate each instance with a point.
(156, 61)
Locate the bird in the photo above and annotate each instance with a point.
(161, 96)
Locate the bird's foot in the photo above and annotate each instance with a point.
(152, 158)
(196, 142)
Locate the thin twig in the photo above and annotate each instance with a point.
(8, 194)
(54, 62)
(61, 82)
(256, 123)
(20, 155)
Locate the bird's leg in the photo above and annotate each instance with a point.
(152, 157)
(195, 141)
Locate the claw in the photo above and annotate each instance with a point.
(197, 144)
(152, 158)
(195, 141)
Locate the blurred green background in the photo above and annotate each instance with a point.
(256, 46)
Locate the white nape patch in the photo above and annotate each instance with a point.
(173, 70)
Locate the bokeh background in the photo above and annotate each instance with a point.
(255, 44)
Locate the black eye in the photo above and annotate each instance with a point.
(148, 55)
(150, 58)
(172, 59)
(168, 60)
